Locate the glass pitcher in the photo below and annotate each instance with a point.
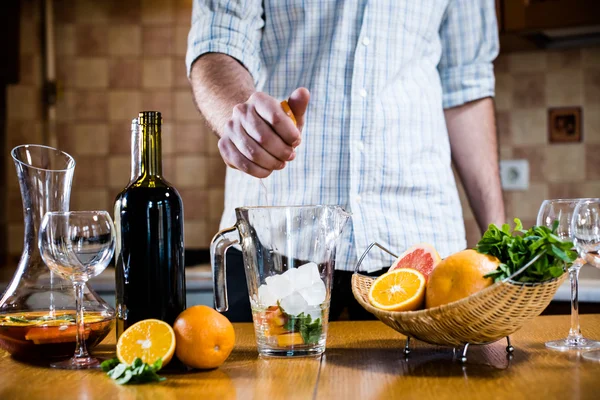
(37, 309)
(289, 257)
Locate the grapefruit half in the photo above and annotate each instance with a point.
(423, 257)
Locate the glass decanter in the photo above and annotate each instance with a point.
(37, 309)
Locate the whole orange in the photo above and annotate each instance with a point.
(458, 276)
(204, 337)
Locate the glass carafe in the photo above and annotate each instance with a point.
(289, 257)
(37, 309)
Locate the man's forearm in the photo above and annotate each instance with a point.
(472, 132)
(219, 82)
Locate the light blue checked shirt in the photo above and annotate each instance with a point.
(380, 74)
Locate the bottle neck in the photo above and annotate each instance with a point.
(150, 157)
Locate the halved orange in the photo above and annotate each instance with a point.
(149, 340)
(402, 289)
(288, 111)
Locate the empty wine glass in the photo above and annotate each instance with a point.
(77, 245)
(561, 211)
(585, 228)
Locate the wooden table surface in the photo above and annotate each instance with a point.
(364, 360)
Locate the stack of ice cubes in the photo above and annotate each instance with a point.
(298, 290)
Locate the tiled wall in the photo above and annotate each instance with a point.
(117, 57)
(527, 84)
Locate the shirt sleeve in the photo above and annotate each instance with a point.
(469, 37)
(232, 27)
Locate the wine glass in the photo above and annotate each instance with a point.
(561, 211)
(77, 245)
(585, 228)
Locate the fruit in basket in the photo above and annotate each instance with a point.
(458, 276)
(205, 338)
(423, 257)
(402, 289)
(149, 340)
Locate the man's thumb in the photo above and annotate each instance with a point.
(298, 102)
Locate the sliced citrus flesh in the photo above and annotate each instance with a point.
(288, 111)
(402, 289)
(149, 340)
(423, 257)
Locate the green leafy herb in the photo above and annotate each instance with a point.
(138, 372)
(18, 319)
(309, 329)
(515, 249)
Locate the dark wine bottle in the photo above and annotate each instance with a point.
(150, 276)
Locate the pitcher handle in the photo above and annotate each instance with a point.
(218, 247)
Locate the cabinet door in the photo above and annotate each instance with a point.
(519, 15)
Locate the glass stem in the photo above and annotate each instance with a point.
(575, 331)
(81, 349)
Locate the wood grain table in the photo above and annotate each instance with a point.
(364, 360)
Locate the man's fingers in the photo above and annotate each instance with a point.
(235, 159)
(271, 111)
(264, 135)
(250, 148)
(298, 102)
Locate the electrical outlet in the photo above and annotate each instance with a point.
(514, 174)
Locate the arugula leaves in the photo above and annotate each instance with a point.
(138, 372)
(515, 249)
(309, 329)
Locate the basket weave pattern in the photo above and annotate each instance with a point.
(485, 317)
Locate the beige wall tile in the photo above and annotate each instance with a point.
(195, 202)
(564, 59)
(464, 201)
(120, 137)
(180, 37)
(22, 102)
(536, 155)
(90, 200)
(190, 138)
(529, 90)
(16, 234)
(158, 40)
(591, 57)
(592, 163)
(565, 163)
(215, 171)
(91, 11)
(191, 172)
(65, 106)
(504, 89)
(65, 40)
(29, 38)
(14, 205)
(157, 11)
(529, 126)
(64, 11)
(216, 203)
(506, 152)
(91, 172)
(564, 88)
(91, 73)
(183, 11)
(169, 171)
(91, 40)
(212, 141)
(91, 139)
(591, 84)
(526, 204)
(125, 40)
(472, 232)
(180, 80)
(119, 171)
(591, 125)
(157, 73)
(167, 138)
(66, 72)
(527, 61)
(568, 190)
(30, 70)
(159, 100)
(185, 110)
(125, 73)
(91, 105)
(128, 12)
(65, 137)
(124, 104)
(504, 127)
(196, 235)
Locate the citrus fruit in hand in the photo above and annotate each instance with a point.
(149, 340)
(286, 108)
(458, 276)
(205, 338)
(423, 257)
(402, 289)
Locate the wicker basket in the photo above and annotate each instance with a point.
(484, 317)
